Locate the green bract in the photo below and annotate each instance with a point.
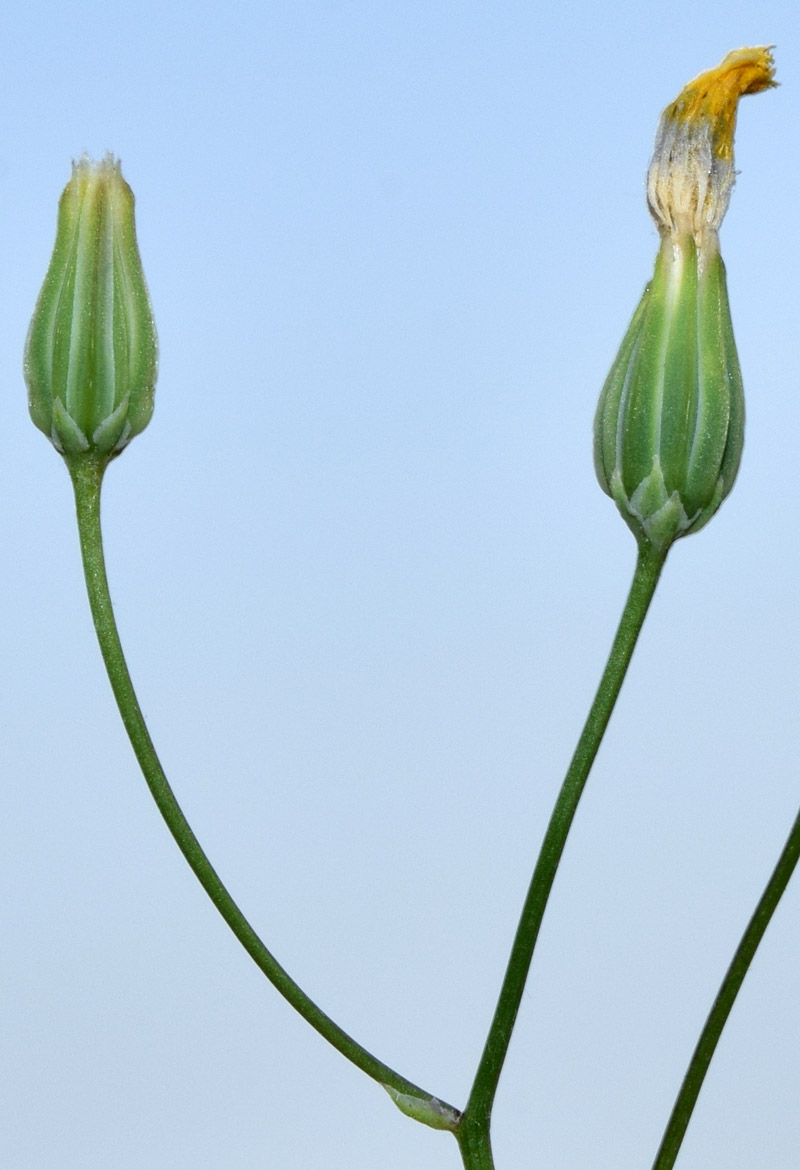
(669, 427)
(91, 355)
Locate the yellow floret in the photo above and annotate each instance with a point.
(691, 173)
(714, 96)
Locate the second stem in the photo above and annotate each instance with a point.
(477, 1114)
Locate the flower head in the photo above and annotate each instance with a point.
(669, 427)
(91, 354)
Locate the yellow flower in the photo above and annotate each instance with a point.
(691, 174)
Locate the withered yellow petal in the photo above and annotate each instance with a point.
(692, 174)
(713, 97)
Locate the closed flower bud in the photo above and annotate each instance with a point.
(669, 427)
(91, 354)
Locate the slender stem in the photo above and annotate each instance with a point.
(479, 1107)
(475, 1145)
(726, 997)
(87, 474)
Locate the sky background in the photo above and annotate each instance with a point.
(367, 582)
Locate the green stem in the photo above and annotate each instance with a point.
(87, 474)
(475, 1145)
(479, 1107)
(726, 997)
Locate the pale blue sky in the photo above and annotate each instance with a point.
(367, 582)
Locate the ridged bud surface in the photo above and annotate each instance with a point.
(669, 427)
(91, 355)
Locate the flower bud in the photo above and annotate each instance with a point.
(669, 427)
(91, 355)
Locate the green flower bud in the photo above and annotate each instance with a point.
(91, 356)
(669, 427)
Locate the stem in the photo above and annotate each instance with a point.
(726, 997)
(87, 474)
(475, 1146)
(479, 1107)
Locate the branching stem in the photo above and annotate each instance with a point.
(87, 474)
